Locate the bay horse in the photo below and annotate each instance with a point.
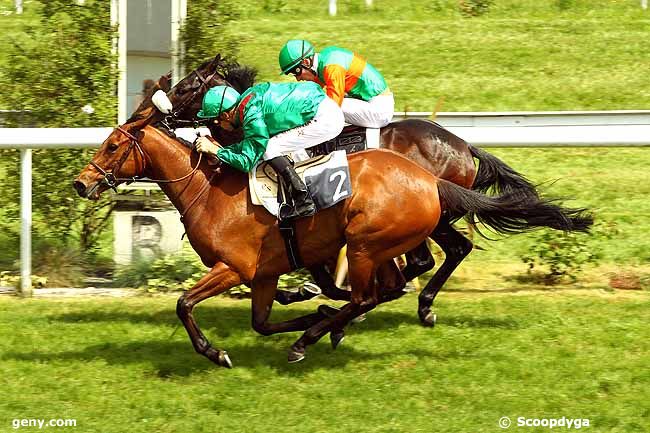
(425, 142)
(395, 205)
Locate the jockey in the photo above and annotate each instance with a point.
(354, 84)
(277, 119)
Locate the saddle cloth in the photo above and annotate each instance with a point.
(327, 177)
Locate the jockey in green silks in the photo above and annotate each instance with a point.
(277, 119)
(354, 84)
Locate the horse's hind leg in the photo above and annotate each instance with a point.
(323, 280)
(456, 248)
(218, 280)
(419, 260)
(364, 299)
(263, 293)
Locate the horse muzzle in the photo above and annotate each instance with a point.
(91, 193)
(80, 187)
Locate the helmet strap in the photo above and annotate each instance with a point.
(223, 96)
(312, 64)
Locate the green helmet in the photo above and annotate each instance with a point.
(217, 100)
(293, 52)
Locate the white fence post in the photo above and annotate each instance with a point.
(19, 6)
(118, 18)
(644, 4)
(26, 222)
(332, 7)
(179, 13)
(369, 3)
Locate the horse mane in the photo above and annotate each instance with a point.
(240, 77)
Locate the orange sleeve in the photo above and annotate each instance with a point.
(334, 77)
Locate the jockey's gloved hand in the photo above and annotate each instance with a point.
(206, 145)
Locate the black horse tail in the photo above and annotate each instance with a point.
(497, 175)
(511, 212)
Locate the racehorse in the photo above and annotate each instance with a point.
(395, 205)
(424, 142)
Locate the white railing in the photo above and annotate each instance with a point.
(516, 129)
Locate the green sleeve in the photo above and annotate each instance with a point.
(244, 155)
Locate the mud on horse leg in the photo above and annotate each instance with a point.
(218, 280)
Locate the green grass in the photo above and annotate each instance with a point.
(116, 366)
(520, 56)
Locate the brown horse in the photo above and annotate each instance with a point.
(424, 142)
(395, 206)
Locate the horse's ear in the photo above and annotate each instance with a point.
(164, 82)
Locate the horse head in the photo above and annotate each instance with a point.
(183, 101)
(119, 159)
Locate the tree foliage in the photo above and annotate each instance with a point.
(60, 63)
(207, 30)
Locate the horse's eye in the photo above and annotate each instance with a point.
(113, 147)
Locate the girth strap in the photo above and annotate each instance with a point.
(288, 231)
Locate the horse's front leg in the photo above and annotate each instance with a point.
(218, 280)
(263, 293)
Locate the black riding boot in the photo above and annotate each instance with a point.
(303, 204)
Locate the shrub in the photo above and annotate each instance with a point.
(180, 271)
(168, 273)
(559, 256)
(62, 266)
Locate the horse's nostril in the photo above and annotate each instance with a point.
(80, 187)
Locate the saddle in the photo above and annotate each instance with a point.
(327, 177)
(352, 139)
(326, 174)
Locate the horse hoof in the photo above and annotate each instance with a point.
(336, 338)
(219, 357)
(295, 356)
(310, 290)
(360, 318)
(224, 359)
(429, 319)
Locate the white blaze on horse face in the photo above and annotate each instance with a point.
(162, 102)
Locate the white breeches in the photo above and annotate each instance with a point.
(326, 124)
(375, 113)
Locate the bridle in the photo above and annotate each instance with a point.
(111, 180)
(172, 121)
